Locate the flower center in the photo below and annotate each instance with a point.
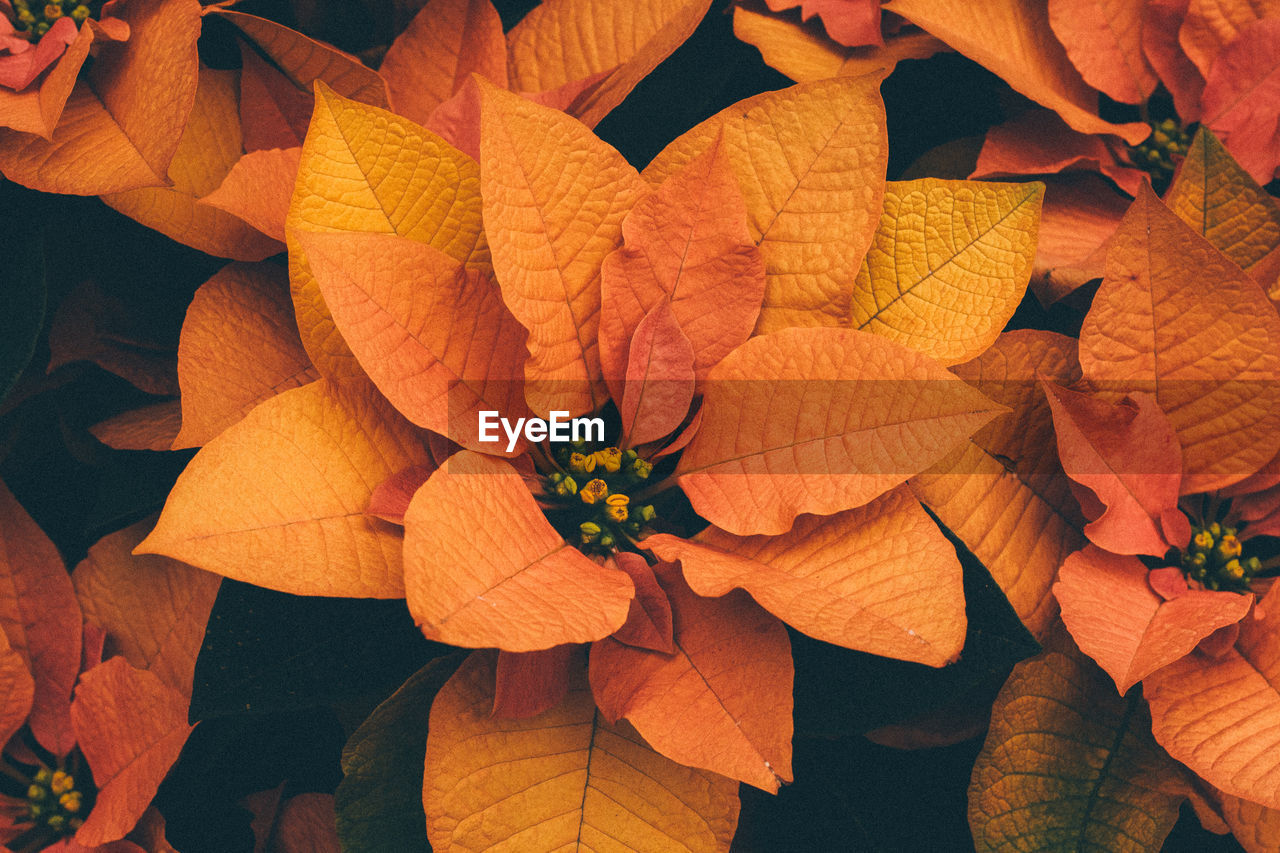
(590, 495)
(1155, 155)
(1215, 557)
(35, 17)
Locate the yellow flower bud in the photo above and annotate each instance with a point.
(61, 782)
(1233, 570)
(617, 512)
(593, 491)
(1229, 547)
(70, 801)
(610, 458)
(578, 462)
(52, 12)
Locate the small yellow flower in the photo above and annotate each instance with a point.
(593, 491)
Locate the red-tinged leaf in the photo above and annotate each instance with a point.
(130, 727)
(1221, 716)
(443, 45)
(554, 199)
(659, 378)
(305, 60)
(1256, 827)
(307, 823)
(722, 701)
(1161, 21)
(1210, 354)
(681, 441)
(1103, 38)
(18, 70)
(154, 609)
(434, 336)
(1013, 39)
(90, 325)
(853, 23)
(39, 614)
(1241, 100)
(1039, 142)
(278, 500)
(150, 833)
(564, 780)
(648, 624)
(1117, 619)
(529, 683)
(483, 566)
(17, 687)
(687, 245)
(1211, 25)
(1168, 582)
(38, 110)
(390, 500)
(209, 146)
(239, 347)
(819, 420)
(119, 129)
(258, 188)
(151, 427)
(274, 113)
(69, 845)
(1128, 456)
(1080, 214)
(881, 578)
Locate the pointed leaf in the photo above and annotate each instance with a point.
(92, 325)
(209, 146)
(239, 347)
(554, 199)
(528, 683)
(1256, 827)
(947, 267)
(1218, 199)
(881, 578)
(434, 336)
(648, 624)
(444, 43)
(688, 245)
(130, 727)
(564, 780)
(1161, 21)
(258, 189)
(151, 427)
(722, 701)
(1128, 456)
(1067, 763)
(567, 40)
(1241, 98)
(1221, 716)
(659, 378)
(376, 810)
(38, 109)
(40, 617)
(365, 169)
(1014, 40)
(278, 499)
(153, 609)
(1210, 354)
(17, 687)
(1003, 493)
(1103, 39)
(810, 161)
(1039, 142)
(274, 113)
(483, 567)
(819, 421)
(1117, 619)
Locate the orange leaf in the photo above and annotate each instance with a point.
(1080, 214)
(1128, 456)
(433, 335)
(39, 615)
(443, 45)
(1211, 355)
(364, 169)
(307, 823)
(483, 567)
(390, 499)
(1241, 98)
(154, 609)
(849, 23)
(130, 727)
(1013, 39)
(258, 188)
(563, 780)
(819, 421)
(17, 687)
(881, 578)
(810, 163)
(37, 110)
(529, 683)
(554, 199)
(305, 60)
(1003, 493)
(239, 347)
(120, 131)
(1221, 716)
(648, 624)
(722, 701)
(566, 40)
(209, 146)
(1103, 39)
(1217, 198)
(1161, 21)
(1211, 25)
(1117, 619)
(278, 499)
(151, 427)
(274, 113)
(1256, 827)
(687, 245)
(659, 378)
